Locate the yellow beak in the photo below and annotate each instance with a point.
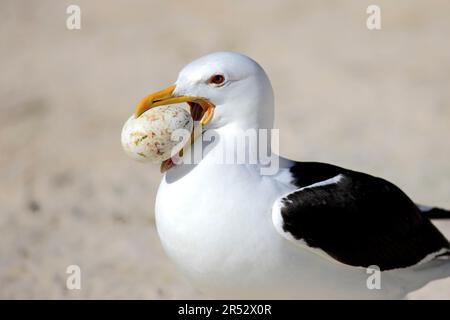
(165, 97)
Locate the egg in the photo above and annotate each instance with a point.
(157, 134)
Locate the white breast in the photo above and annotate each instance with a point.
(209, 225)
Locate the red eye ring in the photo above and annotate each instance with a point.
(217, 79)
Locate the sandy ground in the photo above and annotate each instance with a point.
(376, 101)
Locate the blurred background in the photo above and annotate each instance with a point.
(375, 101)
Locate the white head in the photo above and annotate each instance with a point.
(230, 88)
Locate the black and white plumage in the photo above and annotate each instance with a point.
(357, 219)
(307, 231)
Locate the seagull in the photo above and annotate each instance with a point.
(309, 230)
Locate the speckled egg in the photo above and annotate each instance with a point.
(155, 136)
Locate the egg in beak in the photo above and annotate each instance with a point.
(201, 109)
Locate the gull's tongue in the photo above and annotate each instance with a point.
(166, 165)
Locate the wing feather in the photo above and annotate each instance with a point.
(357, 219)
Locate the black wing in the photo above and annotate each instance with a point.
(361, 220)
(434, 213)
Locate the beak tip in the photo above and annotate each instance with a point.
(151, 100)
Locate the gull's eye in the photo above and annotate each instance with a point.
(217, 79)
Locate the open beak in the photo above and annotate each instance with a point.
(201, 110)
(166, 97)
